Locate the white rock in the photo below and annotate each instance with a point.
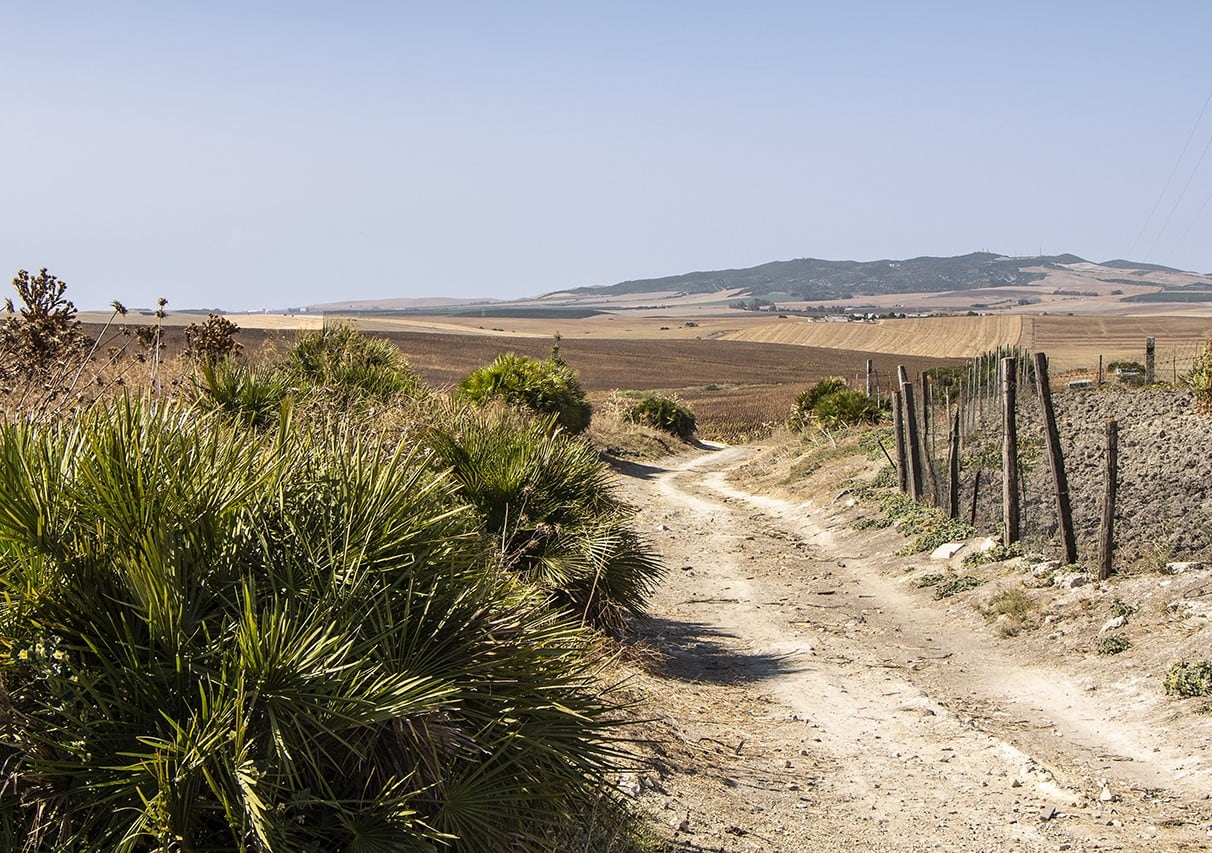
(947, 550)
(987, 544)
(1179, 568)
(1106, 796)
(1071, 581)
(1112, 624)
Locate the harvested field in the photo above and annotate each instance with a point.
(1075, 343)
(938, 337)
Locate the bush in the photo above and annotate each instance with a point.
(832, 405)
(1199, 379)
(949, 584)
(1189, 678)
(251, 396)
(1113, 644)
(546, 503)
(548, 387)
(340, 363)
(212, 340)
(215, 640)
(663, 413)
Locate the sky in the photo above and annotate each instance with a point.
(247, 155)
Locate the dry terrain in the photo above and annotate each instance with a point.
(807, 695)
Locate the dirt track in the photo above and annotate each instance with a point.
(810, 699)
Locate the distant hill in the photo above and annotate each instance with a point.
(816, 279)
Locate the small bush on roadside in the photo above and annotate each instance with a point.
(547, 387)
(831, 404)
(663, 413)
(1113, 644)
(949, 584)
(549, 510)
(1189, 678)
(1012, 609)
(1199, 379)
(997, 554)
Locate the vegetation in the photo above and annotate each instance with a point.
(1113, 644)
(1012, 609)
(1189, 678)
(250, 395)
(545, 502)
(1199, 379)
(212, 340)
(547, 387)
(949, 584)
(929, 526)
(997, 554)
(219, 636)
(831, 404)
(41, 336)
(664, 413)
(346, 367)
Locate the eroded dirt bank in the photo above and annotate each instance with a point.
(807, 697)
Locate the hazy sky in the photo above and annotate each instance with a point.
(243, 154)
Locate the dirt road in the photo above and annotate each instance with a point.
(807, 698)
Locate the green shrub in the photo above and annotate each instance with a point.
(663, 413)
(997, 554)
(548, 387)
(1199, 379)
(949, 584)
(1189, 678)
(212, 639)
(341, 364)
(1113, 644)
(247, 394)
(832, 405)
(547, 504)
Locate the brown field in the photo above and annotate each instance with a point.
(742, 370)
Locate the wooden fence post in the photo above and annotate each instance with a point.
(1106, 531)
(870, 376)
(1100, 371)
(928, 438)
(953, 485)
(912, 437)
(898, 428)
(976, 488)
(1150, 361)
(1056, 461)
(1010, 505)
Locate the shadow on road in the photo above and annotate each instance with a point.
(632, 469)
(692, 651)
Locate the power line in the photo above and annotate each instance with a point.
(1178, 200)
(1173, 172)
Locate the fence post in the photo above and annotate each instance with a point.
(1106, 532)
(1100, 371)
(953, 485)
(928, 437)
(1150, 360)
(1056, 461)
(870, 376)
(898, 427)
(912, 437)
(1010, 506)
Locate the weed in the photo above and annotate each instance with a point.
(873, 522)
(664, 413)
(1119, 607)
(1113, 644)
(949, 584)
(996, 554)
(1192, 678)
(1012, 609)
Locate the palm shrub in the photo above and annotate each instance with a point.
(832, 404)
(251, 395)
(1199, 378)
(213, 639)
(663, 413)
(547, 387)
(341, 364)
(545, 500)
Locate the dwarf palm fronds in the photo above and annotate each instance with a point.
(545, 499)
(548, 387)
(248, 394)
(345, 366)
(216, 639)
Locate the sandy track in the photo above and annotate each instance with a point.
(810, 701)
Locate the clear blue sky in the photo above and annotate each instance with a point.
(250, 154)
